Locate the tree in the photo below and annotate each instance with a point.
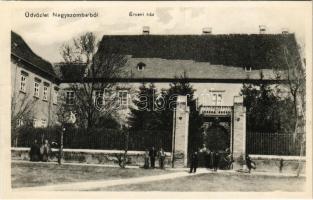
(267, 111)
(296, 84)
(154, 111)
(21, 113)
(296, 78)
(143, 115)
(288, 100)
(100, 69)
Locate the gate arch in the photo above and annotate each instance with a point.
(216, 137)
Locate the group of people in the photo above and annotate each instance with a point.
(151, 155)
(216, 160)
(211, 159)
(39, 152)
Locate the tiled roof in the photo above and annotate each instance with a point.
(201, 57)
(259, 51)
(158, 69)
(70, 71)
(21, 50)
(168, 69)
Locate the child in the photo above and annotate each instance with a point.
(161, 158)
(250, 164)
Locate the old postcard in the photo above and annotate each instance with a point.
(178, 99)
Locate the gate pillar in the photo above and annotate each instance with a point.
(239, 133)
(180, 133)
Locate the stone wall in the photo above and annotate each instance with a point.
(264, 163)
(106, 157)
(268, 163)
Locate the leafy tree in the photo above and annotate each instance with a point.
(108, 122)
(143, 115)
(267, 111)
(154, 111)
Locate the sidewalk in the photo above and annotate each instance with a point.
(202, 170)
(91, 185)
(77, 164)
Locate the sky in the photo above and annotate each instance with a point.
(46, 35)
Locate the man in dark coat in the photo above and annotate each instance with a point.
(211, 159)
(193, 162)
(250, 163)
(216, 160)
(152, 155)
(34, 153)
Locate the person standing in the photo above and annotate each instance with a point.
(34, 153)
(194, 162)
(203, 156)
(250, 163)
(281, 165)
(146, 157)
(161, 158)
(152, 155)
(211, 159)
(45, 151)
(216, 160)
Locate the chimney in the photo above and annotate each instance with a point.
(207, 31)
(262, 29)
(284, 31)
(146, 30)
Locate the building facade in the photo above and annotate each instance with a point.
(216, 66)
(35, 86)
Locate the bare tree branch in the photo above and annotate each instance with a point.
(98, 65)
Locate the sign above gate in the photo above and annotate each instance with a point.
(216, 110)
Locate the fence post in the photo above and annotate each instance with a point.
(61, 146)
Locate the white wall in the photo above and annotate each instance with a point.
(42, 109)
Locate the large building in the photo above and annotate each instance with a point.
(34, 86)
(217, 66)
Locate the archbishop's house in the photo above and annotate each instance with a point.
(217, 66)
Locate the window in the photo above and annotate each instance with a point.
(43, 123)
(141, 66)
(20, 122)
(214, 97)
(36, 89)
(45, 93)
(55, 96)
(109, 97)
(99, 98)
(35, 123)
(122, 95)
(248, 69)
(70, 97)
(23, 82)
(217, 99)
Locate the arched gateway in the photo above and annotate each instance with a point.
(227, 121)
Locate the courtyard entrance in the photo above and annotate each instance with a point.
(215, 134)
(223, 130)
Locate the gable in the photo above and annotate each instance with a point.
(21, 50)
